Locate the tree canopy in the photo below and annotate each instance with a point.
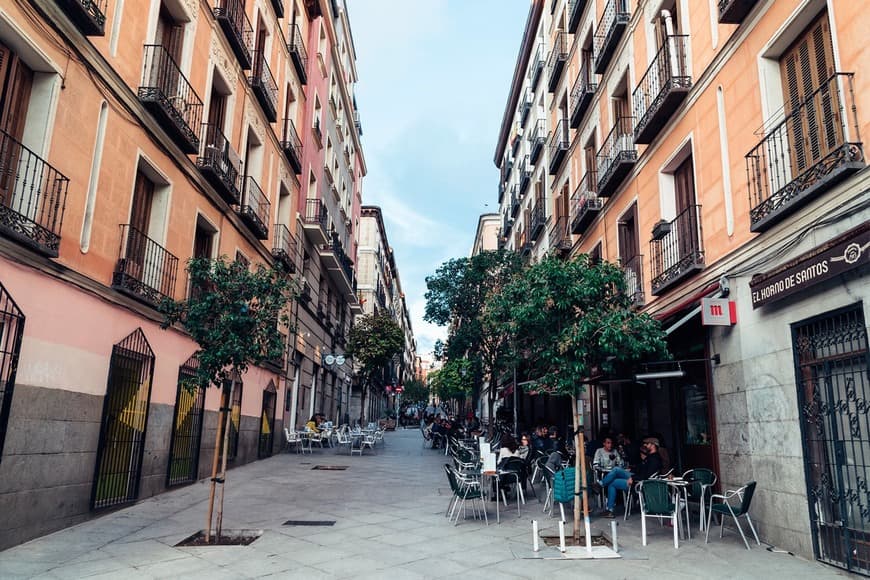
(374, 340)
(453, 380)
(416, 391)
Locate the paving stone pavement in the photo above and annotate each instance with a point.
(389, 511)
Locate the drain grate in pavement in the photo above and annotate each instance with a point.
(309, 523)
(330, 467)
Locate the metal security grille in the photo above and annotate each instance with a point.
(186, 426)
(125, 416)
(832, 366)
(11, 331)
(267, 421)
(235, 422)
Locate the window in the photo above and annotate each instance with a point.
(16, 81)
(242, 259)
(11, 332)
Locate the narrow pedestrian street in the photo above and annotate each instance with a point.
(388, 508)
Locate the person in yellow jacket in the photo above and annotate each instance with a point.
(313, 424)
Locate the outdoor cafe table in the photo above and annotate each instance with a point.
(487, 476)
(680, 489)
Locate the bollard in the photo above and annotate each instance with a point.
(562, 536)
(588, 535)
(613, 536)
(535, 535)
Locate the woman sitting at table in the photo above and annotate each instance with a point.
(313, 424)
(508, 448)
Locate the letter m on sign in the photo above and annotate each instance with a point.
(718, 312)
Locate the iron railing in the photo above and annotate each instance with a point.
(264, 86)
(341, 257)
(284, 247)
(231, 16)
(664, 84)
(32, 197)
(679, 252)
(186, 436)
(266, 441)
(255, 209)
(615, 153)
(298, 53)
(582, 92)
(316, 213)
(633, 269)
(613, 21)
(575, 10)
(585, 203)
(528, 99)
(292, 146)
(10, 349)
(515, 200)
(556, 61)
(816, 144)
(536, 66)
(525, 174)
(278, 5)
(145, 269)
(734, 11)
(220, 163)
(560, 237)
(88, 15)
(537, 140)
(559, 142)
(168, 94)
(537, 219)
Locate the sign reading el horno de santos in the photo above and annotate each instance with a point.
(845, 252)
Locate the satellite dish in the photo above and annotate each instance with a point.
(339, 360)
(329, 359)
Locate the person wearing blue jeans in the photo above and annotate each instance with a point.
(620, 479)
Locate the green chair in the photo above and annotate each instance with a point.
(736, 511)
(657, 501)
(701, 482)
(463, 489)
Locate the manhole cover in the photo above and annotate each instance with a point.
(330, 467)
(309, 523)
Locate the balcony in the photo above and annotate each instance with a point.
(633, 270)
(220, 164)
(264, 86)
(315, 220)
(168, 96)
(298, 53)
(609, 32)
(32, 197)
(88, 15)
(559, 143)
(145, 270)
(284, 248)
(327, 176)
(231, 16)
(734, 11)
(556, 61)
(560, 237)
(255, 208)
(506, 225)
(278, 5)
(582, 95)
(679, 253)
(539, 137)
(616, 157)
(528, 99)
(292, 146)
(661, 90)
(317, 132)
(536, 66)
(575, 11)
(338, 265)
(537, 220)
(815, 145)
(515, 200)
(585, 203)
(525, 175)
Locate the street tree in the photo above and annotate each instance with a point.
(373, 341)
(234, 314)
(415, 391)
(457, 295)
(452, 382)
(572, 321)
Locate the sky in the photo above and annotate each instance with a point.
(434, 77)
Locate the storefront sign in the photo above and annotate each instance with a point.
(841, 254)
(718, 312)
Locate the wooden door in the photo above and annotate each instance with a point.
(140, 222)
(16, 80)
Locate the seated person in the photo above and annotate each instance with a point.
(620, 479)
(555, 442)
(606, 457)
(525, 446)
(663, 453)
(439, 432)
(508, 448)
(540, 439)
(313, 424)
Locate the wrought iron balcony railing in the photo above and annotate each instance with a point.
(220, 164)
(298, 53)
(560, 141)
(678, 253)
(560, 236)
(525, 174)
(633, 269)
(734, 11)
(316, 214)
(616, 156)
(278, 5)
(515, 200)
(556, 61)
(255, 208)
(284, 248)
(327, 176)
(168, 95)
(292, 146)
(32, 197)
(264, 86)
(537, 219)
(616, 15)
(813, 147)
(528, 99)
(88, 15)
(539, 137)
(585, 203)
(145, 269)
(661, 90)
(582, 94)
(344, 262)
(575, 11)
(536, 66)
(231, 16)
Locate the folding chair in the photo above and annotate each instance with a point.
(726, 508)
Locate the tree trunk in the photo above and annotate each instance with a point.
(224, 401)
(220, 510)
(579, 475)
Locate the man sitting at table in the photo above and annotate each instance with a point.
(606, 458)
(620, 480)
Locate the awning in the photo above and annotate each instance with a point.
(694, 303)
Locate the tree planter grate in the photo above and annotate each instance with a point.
(309, 523)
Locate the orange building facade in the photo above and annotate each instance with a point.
(714, 150)
(134, 136)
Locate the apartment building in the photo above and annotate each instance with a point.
(486, 238)
(713, 150)
(134, 136)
